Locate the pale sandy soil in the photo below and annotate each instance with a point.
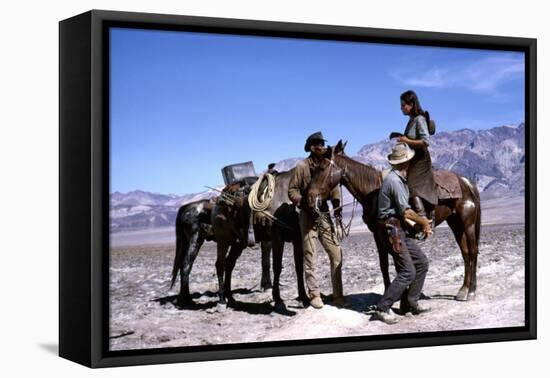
(141, 307)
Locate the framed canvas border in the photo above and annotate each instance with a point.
(84, 188)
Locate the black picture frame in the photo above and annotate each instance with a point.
(84, 189)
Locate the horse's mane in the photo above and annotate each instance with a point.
(364, 178)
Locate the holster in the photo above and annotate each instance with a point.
(392, 227)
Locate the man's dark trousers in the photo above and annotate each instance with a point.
(412, 266)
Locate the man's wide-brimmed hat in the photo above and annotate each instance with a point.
(312, 139)
(400, 153)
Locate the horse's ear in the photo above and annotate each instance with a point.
(340, 147)
(328, 153)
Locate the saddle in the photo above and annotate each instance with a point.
(447, 185)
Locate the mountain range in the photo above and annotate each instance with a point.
(492, 158)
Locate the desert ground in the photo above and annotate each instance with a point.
(142, 313)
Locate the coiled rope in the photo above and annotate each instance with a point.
(261, 201)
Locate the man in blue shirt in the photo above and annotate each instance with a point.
(410, 262)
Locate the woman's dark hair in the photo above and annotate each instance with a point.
(410, 98)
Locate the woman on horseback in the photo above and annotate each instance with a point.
(420, 176)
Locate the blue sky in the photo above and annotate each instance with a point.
(183, 105)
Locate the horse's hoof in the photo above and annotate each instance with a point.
(471, 296)
(280, 307)
(462, 296)
(184, 302)
(221, 307)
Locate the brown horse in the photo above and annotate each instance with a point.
(283, 228)
(227, 225)
(363, 182)
(230, 224)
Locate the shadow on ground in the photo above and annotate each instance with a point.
(253, 308)
(51, 348)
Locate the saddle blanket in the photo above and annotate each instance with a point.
(447, 184)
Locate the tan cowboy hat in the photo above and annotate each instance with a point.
(400, 153)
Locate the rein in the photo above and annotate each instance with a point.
(345, 228)
(330, 173)
(354, 187)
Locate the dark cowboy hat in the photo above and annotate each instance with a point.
(315, 137)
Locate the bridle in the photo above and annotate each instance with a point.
(345, 229)
(330, 174)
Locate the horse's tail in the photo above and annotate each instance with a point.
(179, 246)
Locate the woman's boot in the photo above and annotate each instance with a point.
(418, 207)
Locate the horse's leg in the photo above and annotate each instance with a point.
(473, 240)
(383, 257)
(299, 267)
(266, 265)
(220, 270)
(194, 247)
(234, 253)
(471, 217)
(369, 218)
(182, 248)
(457, 226)
(278, 247)
(472, 248)
(184, 296)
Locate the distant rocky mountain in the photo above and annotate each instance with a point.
(139, 209)
(287, 164)
(494, 159)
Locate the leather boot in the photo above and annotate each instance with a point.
(316, 302)
(432, 217)
(418, 207)
(387, 316)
